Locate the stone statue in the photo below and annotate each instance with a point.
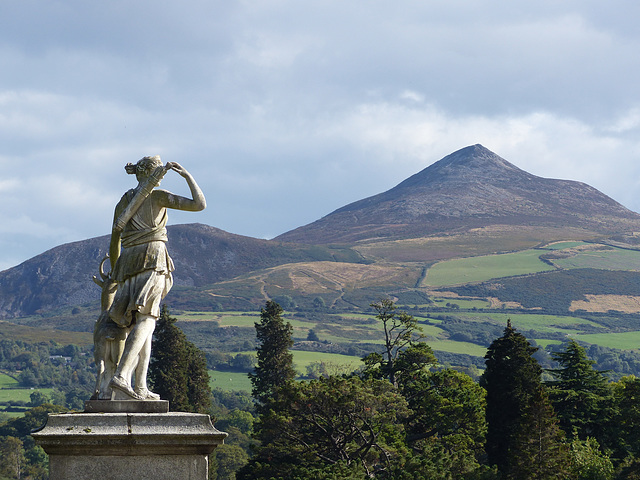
(141, 268)
(108, 337)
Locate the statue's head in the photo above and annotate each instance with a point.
(145, 167)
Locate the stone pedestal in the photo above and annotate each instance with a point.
(124, 446)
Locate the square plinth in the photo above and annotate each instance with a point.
(158, 446)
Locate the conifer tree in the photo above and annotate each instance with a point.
(540, 451)
(272, 383)
(581, 395)
(627, 395)
(178, 369)
(274, 368)
(521, 423)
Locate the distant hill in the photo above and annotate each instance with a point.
(62, 276)
(470, 203)
(470, 188)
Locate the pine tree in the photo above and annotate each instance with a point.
(540, 451)
(627, 395)
(178, 369)
(274, 368)
(581, 395)
(272, 384)
(521, 423)
(401, 331)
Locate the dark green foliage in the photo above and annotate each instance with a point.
(538, 451)
(48, 364)
(588, 462)
(332, 423)
(18, 451)
(275, 363)
(554, 291)
(517, 409)
(627, 419)
(319, 303)
(581, 396)
(312, 336)
(480, 333)
(285, 301)
(224, 401)
(446, 428)
(226, 362)
(178, 370)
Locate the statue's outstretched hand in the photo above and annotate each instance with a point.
(176, 167)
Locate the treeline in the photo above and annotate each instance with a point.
(68, 369)
(404, 416)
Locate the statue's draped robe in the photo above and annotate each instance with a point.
(143, 270)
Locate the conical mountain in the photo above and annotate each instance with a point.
(470, 188)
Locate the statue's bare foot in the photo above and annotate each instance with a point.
(147, 394)
(121, 384)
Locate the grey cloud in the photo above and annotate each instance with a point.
(287, 110)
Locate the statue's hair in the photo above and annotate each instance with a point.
(145, 166)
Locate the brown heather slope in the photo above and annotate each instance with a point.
(470, 188)
(205, 255)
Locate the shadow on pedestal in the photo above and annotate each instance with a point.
(147, 443)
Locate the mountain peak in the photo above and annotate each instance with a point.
(470, 188)
(475, 163)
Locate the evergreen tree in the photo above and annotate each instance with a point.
(581, 396)
(274, 368)
(272, 382)
(178, 369)
(540, 451)
(518, 415)
(627, 420)
(446, 427)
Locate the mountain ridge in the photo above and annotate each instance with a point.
(62, 275)
(466, 192)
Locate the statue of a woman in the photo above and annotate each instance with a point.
(142, 267)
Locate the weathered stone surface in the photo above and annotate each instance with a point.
(126, 406)
(97, 446)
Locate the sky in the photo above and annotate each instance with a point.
(285, 110)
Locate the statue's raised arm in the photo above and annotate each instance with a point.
(194, 204)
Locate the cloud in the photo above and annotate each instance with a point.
(286, 110)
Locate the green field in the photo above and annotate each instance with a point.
(458, 347)
(621, 341)
(229, 380)
(10, 393)
(543, 342)
(240, 381)
(7, 382)
(478, 269)
(613, 259)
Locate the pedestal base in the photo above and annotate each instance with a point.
(121, 446)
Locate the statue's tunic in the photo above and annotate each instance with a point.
(143, 270)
